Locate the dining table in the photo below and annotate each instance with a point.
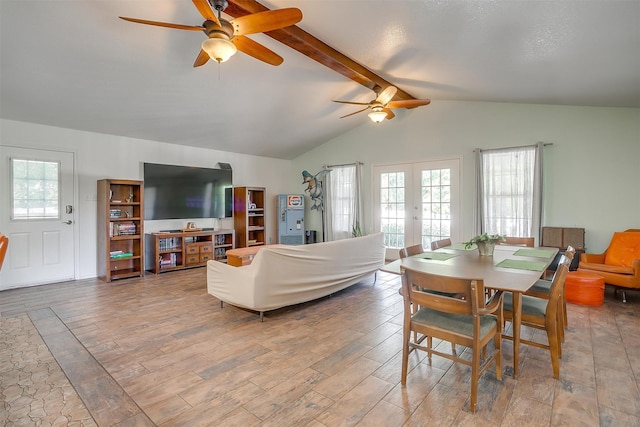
(511, 268)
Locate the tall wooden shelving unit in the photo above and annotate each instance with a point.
(249, 216)
(120, 229)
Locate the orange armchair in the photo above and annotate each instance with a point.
(4, 244)
(619, 265)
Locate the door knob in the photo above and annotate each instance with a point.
(68, 222)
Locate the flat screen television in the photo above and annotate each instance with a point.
(175, 192)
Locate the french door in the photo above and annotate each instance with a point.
(417, 203)
(37, 214)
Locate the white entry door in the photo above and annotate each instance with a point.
(417, 203)
(38, 215)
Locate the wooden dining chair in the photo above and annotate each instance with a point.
(542, 288)
(440, 244)
(467, 321)
(519, 241)
(543, 314)
(411, 250)
(4, 244)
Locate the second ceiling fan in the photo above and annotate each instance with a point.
(382, 105)
(225, 38)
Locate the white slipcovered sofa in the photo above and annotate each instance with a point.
(280, 276)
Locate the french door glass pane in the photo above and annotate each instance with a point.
(392, 196)
(436, 205)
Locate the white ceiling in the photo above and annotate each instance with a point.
(74, 64)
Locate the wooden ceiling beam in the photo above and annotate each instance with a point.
(310, 46)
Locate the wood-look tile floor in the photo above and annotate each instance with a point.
(161, 351)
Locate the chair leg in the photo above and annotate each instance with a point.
(554, 348)
(624, 294)
(475, 368)
(497, 343)
(405, 355)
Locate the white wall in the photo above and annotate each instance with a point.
(100, 156)
(592, 170)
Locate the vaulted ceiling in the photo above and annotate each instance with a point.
(74, 64)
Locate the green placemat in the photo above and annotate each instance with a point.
(461, 247)
(536, 253)
(522, 265)
(438, 256)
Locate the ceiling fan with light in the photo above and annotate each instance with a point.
(382, 105)
(225, 38)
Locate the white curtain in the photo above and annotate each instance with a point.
(342, 201)
(509, 191)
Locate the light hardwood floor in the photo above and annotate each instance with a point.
(161, 351)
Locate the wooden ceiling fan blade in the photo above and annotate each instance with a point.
(351, 114)
(390, 114)
(352, 103)
(258, 51)
(202, 58)
(266, 21)
(164, 24)
(205, 10)
(409, 103)
(386, 95)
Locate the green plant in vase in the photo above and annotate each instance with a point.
(485, 243)
(356, 231)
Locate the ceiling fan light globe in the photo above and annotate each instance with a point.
(219, 49)
(377, 115)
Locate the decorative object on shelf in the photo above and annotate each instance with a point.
(314, 187)
(485, 243)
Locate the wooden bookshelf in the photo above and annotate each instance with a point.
(120, 229)
(249, 216)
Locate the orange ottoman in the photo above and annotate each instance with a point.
(584, 288)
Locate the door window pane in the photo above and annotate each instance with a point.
(392, 208)
(436, 205)
(35, 187)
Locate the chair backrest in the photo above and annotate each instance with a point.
(556, 291)
(570, 252)
(437, 292)
(411, 250)
(519, 241)
(4, 244)
(440, 244)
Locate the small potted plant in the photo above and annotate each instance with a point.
(485, 243)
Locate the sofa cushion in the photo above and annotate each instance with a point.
(606, 268)
(623, 249)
